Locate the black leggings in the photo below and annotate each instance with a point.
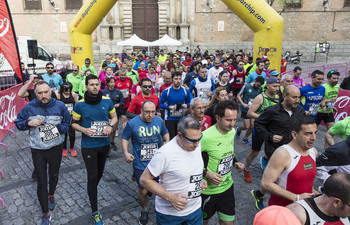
(41, 158)
(95, 160)
(71, 134)
(171, 126)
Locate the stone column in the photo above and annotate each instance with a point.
(184, 26)
(171, 24)
(117, 28)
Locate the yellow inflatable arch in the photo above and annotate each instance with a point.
(256, 14)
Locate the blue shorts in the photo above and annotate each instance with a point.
(138, 173)
(195, 218)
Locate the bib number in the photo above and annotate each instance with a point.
(330, 105)
(250, 102)
(69, 107)
(195, 186)
(147, 151)
(225, 165)
(48, 133)
(314, 109)
(125, 93)
(176, 113)
(99, 126)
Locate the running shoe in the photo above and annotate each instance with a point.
(245, 141)
(263, 163)
(247, 176)
(133, 178)
(114, 147)
(238, 132)
(52, 202)
(64, 153)
(96, 216)
(143, 218)
(45, 218)
(259, 202)
(73, 152)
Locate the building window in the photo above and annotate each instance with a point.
(33, 4)
(73, 4)
(293, 3)
(346, 3)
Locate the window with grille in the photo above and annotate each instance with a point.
(346, 3)
(32, 4)
(73, 4)
(293, 3)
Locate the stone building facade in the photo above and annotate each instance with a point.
(208, 23)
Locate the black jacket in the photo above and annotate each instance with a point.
(276, 120)
(345, 84)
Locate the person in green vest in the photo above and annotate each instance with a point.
(82, 87)
(75, 78)
(162, 57)
(260, 102)
(87, 66)
(133, 74)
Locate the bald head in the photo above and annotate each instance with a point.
(291, 89)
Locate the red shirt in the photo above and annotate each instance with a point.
(136, 90)
(142, 73)
(205, 122)
(163, 87)
(136, 103)
(187, 64)
(239, 79)
(125, 87)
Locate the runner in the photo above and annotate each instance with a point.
(146, 132)
(91, 116)
(124, 84)
(198, 108)
(341, 128)
(47, 121)
(179, 166)
(238, 79)
(218, 156)
(69, 98)
(330, 208)
(219, 96)
(202, 86)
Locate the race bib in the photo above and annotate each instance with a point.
(176, 113)
(48, 133)
(195, 186)
(99, 126)
(313, 109)
(203, 92)
(250, 102)
(69, 107)
(330, 105)
(147, 151)
(125, 93)
(54, 89)
(239, 80)
(225, 165)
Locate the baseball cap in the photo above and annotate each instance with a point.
(39, 77)
(273, 80)
(274, 73)
(276, 215)
(204, 61)
(264, 57)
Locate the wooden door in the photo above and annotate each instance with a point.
(145, 19)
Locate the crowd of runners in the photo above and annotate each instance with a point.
(179, 111)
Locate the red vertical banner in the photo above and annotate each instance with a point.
(8, 42)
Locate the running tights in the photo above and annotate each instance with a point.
(71, 134)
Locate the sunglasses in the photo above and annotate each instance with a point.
(192, 141)
(49, 68)
(147, 86)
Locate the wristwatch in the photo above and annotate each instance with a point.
(205, 172)
(111, 125)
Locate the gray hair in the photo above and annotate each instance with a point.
(194, 100)
(186, 123)
(285, 76)
(128, 62)
(122, 69)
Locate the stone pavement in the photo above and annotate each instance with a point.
(117, 194)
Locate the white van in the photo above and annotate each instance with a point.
(43, 58)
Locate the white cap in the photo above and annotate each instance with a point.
(204, 61)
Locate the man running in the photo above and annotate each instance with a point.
(218, 156)
(47, 121)
(91, 117)
(291, 171)
(146, 132)
(179, 166)
(53, 79)
(341, 128)
(203, 86)
(124, 84)
(198, 108)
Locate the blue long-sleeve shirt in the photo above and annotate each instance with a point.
(201, 86)
(169, 97)
(138, 64)
(52, 113)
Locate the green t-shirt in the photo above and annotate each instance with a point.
(341, 128)
(331, 92)
(82, 87)
(220, 150)
(93, 70)
(74, 80)
(134, 75)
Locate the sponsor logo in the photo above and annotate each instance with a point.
(4, 26)
(264, 51)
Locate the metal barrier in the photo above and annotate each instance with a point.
(7, 80)
(342, 68)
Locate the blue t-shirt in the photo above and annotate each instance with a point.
(249, 93)
(55, 81)
(170, 96)
(146, 139)
(96, 116)
(253, 75)
(310, 99)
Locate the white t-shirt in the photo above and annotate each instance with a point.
(213, 73)
(179, 171)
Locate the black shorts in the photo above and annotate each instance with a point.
(326, 117)
(137, 175)
(257, 141)
(123, 111)
(223, 203)
(244, 115)
(235, 91)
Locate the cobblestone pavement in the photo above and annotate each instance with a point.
(117, 194)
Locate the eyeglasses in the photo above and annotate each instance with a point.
(49, 68)
(192, 141)
(75, 70)
(147, 86)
